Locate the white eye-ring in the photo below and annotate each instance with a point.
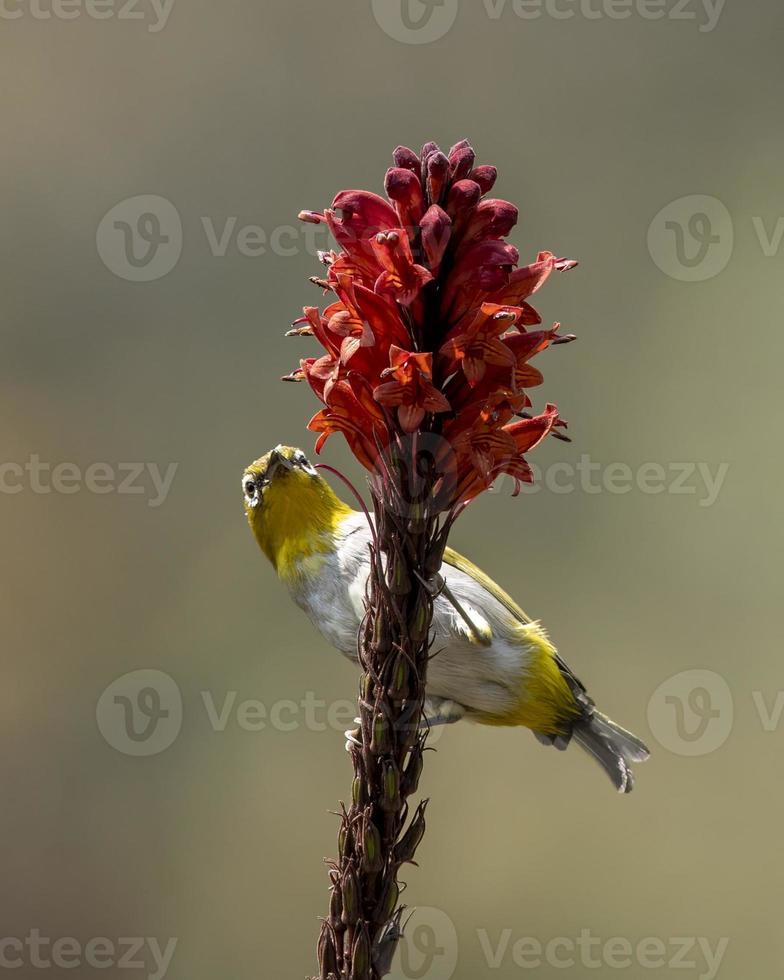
(301, 460)
(249, 489)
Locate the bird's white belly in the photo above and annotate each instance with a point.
(487, 679)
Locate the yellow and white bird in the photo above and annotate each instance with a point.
(493, 665)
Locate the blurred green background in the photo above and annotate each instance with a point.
(252, 111)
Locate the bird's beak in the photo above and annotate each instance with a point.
(278, 459)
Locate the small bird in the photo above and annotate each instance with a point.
(492, 663)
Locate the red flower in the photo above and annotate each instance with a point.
(490, 448)
(480, 344)
(412, 391)
(401, 279)
(353, 412)
(430, 319)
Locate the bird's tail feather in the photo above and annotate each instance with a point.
(612, 746)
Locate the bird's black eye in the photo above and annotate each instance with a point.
(250, 488)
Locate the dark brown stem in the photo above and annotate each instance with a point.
(378, 834)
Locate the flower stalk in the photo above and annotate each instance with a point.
(425, 372)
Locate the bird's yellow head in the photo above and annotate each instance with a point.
(292, 511)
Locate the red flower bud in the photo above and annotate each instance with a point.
(485, 177)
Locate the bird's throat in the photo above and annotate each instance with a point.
(297, 520)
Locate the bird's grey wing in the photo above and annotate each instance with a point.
(463, 564)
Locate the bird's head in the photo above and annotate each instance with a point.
(292, 510)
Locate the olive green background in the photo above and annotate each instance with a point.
(258, 109)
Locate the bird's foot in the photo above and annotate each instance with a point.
(437, 711)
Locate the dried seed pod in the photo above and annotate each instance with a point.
(407, 725)
(358, 791)
(384, 947)
(400, 678)
(379, 741)
(405, 849)
(336, 908)
(350, 891)
(343, 834)
(327, 953)
(360, 956)
(413, 771)
(372, 857)
(390, 785)
(399, 581)
(387, 901)
(420, 622)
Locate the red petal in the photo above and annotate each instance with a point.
(363, 213)
(474, 369)
(410, 417)
(436, 228)
(390, 393)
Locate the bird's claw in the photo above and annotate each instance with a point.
(353, 736)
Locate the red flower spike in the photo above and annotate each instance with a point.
(428, 331)
(412, 391)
